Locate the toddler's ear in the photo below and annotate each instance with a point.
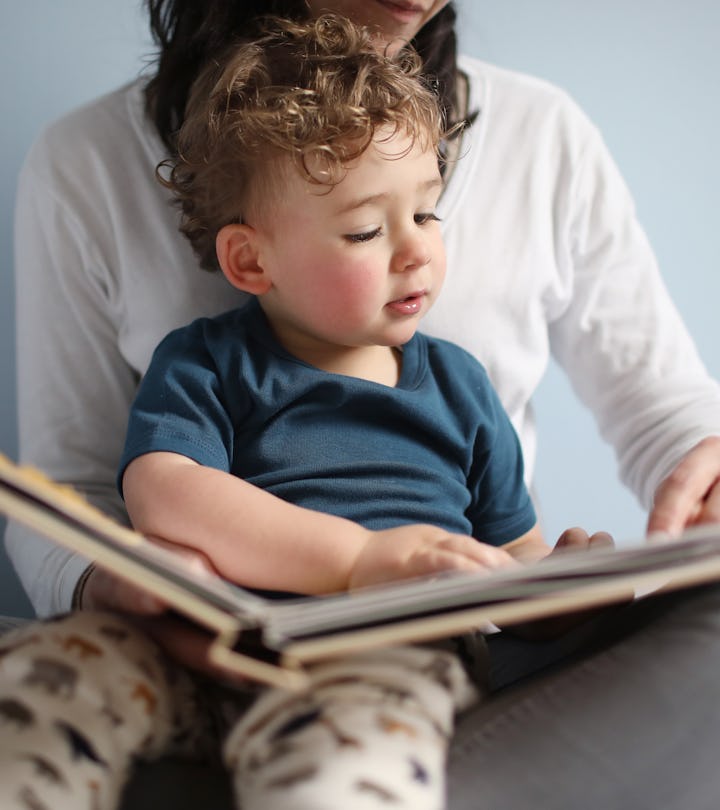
(237, 252)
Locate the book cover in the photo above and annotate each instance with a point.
(274, 640)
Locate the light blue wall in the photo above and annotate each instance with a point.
(647, 72)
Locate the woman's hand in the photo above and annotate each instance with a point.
(180, 639)
(421, 550)
(690, 495)
(103, 590)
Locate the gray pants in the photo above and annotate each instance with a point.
(622, 714)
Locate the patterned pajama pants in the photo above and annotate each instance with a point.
(84, 696)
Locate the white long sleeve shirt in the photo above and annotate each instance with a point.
(544, 255)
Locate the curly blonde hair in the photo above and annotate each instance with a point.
(316, 93)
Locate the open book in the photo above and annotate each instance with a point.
(273, 640)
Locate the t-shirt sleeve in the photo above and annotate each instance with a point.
(179, 407)
(501, 509)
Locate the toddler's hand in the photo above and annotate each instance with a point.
(420, 550)
(577, 539)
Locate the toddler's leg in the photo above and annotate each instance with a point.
(80, 696)
(371, 732)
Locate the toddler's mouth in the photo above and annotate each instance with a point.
(410, 304)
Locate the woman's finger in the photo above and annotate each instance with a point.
(680, 500)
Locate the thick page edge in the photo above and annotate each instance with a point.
(64, 516)
(302, 652)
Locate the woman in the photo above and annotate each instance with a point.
(103, 275)
(109, 275)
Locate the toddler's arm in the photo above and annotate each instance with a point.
(258, 540)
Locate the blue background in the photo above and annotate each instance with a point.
(647, 72)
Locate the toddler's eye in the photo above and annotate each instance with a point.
(365, 236)
(422, 219)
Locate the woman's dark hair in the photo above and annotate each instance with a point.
(188, 33)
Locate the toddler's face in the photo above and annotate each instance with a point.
(359, 264)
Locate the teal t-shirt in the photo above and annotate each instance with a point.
(438, 448)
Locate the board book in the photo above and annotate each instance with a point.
(273, 641)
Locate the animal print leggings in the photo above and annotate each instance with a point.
(83, 696)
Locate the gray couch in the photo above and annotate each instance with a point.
(178, 784)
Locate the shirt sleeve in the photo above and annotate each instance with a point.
(74, 387)
(180, 405)
(621, 341)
